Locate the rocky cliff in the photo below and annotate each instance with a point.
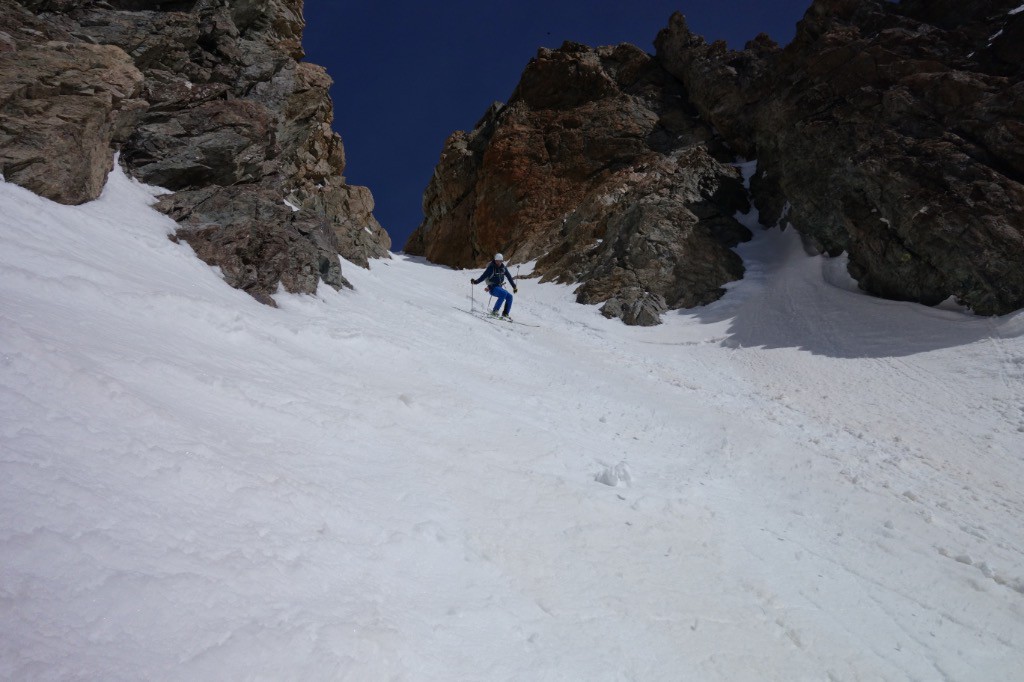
(598, 168)
(889, 131)
(206, 98)
(892, 132)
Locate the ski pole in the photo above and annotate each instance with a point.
(472, 298)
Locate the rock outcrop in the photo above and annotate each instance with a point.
(653, 237)
(889, 131)
(59, 94)
(207, 99)
(598, 168)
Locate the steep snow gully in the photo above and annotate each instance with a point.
(798, 482)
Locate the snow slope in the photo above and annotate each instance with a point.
(798, 482)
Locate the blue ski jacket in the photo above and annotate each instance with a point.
(495, 275)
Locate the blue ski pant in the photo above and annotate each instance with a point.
(503, 297)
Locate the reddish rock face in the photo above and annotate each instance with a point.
(588, 136)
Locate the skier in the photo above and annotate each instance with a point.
(495, 275)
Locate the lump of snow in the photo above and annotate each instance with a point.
(612, 476)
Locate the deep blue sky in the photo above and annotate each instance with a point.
(408, 73)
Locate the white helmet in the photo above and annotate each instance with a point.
(499, 257)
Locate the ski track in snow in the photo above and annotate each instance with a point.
(797, 482)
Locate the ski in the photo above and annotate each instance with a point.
(521, 324)
(495, 318)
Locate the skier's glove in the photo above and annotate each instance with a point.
(472, 281)
(515, 290)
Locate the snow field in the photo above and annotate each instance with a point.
(798, 482)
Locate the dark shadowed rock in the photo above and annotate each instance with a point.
(724, 85)
(653, 238)
(257, 242)
(598, 168)
(219, 142)
(890, 131)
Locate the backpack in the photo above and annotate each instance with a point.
(498, 278)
